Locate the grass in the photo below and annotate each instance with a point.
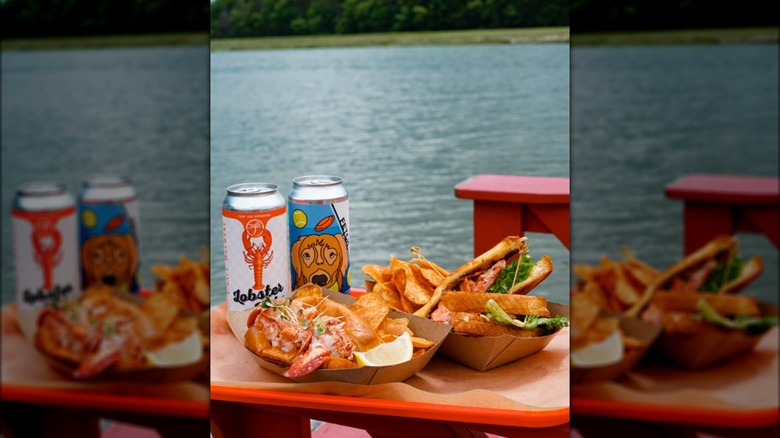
(485, 36)
(109, 41)
(687, 36)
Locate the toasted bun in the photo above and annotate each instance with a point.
(538, 273)
(474, 325)
(512, 304)
(750, 271)
(719, 249)
(506, 248)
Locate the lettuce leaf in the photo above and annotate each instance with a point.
(504, 280)
(720, 277)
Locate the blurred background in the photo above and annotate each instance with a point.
(661, 90)
(121, 88)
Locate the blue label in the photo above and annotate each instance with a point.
(319, 245)
(109, 248)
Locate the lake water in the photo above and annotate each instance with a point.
(141, 112)
(643, 117)
(402, 126)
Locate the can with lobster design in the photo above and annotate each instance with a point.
(255, 236)
(319, 232)
(109, 223)
(46, 264)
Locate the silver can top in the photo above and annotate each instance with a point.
(107, 181)
(42, 196)
(252, 189)
(317, 180)
(41, 189)
(107, 188)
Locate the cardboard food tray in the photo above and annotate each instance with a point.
(487, 352)
(631, 327)
(143, 375)
(366, 375)
(710, 348)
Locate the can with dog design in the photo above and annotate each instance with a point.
(254, 229)
(319, 232)
(46, 266)
(109, 231)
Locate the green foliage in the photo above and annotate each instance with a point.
(239, 18)
(25, 18)
(633, 15)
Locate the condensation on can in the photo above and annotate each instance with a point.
(46, 267)
(255, 236)
(109, 233)
(319, 232)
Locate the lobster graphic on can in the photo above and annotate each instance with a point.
(45, 245)
(255, 233)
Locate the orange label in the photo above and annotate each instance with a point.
(256, 256)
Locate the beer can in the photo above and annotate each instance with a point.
(109, 233)
(254, 229)
(319, 232)
(45, 240)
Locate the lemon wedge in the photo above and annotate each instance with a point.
(391, 353)
(606, 352)
(184, 352)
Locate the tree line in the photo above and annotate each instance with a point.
(42, 18)
(243, 18)
(627, 15)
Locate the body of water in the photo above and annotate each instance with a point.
(140, 112)
(402, 126)
(643, 117)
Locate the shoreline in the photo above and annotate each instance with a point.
(537, 35)
(106, 41)
(542, 35)
(750, 35)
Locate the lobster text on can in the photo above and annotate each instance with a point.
(45, 245)
(255, 233)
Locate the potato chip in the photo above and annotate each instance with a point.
(187, 284)
(380, 274)
(390, 295)
(421, 342)
(160, 309)
(338, 363)
(394, 326)
(371, 308)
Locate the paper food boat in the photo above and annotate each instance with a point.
(631, 327)
(179, 373)
(487, 352)
(710, 348)
(189, 369)
(366, 375)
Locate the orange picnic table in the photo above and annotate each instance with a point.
(507, 205)
(725, 204)
(40, 411)
(503, 205)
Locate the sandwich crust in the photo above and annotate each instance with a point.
(512, 304)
